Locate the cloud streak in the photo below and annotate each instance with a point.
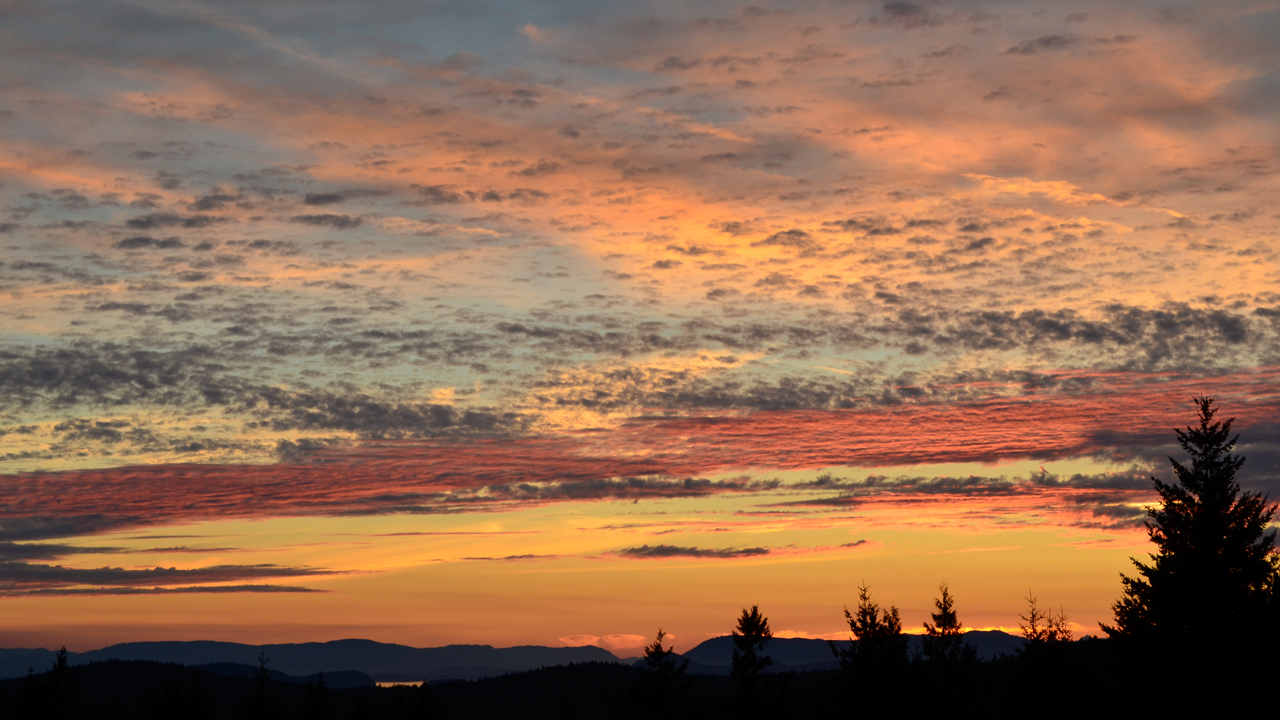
(637, 460)
(21, 578)
(647, 552)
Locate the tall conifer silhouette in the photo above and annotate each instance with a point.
(749, 640)
(1042, 626)
(1207, 598)
(875, 662)
(946, 661)
(878, 643)
(943, 642)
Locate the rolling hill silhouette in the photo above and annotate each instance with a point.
(389, 662)
(384, 662)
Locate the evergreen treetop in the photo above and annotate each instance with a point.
(943, 640)
(1215, 570)
(877, 635)
(1042, 626)
(749, 640)
(748, 663)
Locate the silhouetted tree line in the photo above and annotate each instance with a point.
(1201, 616)
(1197, 626)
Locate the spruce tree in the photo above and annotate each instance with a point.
(943, 642)
(1042, 626)
(878, 642)
(874, 664)
(946, 661)
(749, 661)
(60, 693)
(1207, 597)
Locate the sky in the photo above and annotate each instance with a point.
(559, 322)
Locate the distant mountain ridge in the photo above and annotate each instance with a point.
(390, 662)
(386, 662)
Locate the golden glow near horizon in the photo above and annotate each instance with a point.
(420, 322)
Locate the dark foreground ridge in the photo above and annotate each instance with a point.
(127, 689)
(388, 662)
(384, 662)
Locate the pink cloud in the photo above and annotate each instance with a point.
(649, 458)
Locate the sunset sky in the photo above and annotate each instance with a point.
(558, 322)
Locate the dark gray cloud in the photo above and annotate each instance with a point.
(365, 415)
(113, 376)
(908, 15)
(1115, 40)
(439, 194)
(870, 225)
(202, 589)
(538, 169)
(499, 495)
(674, 63)
(214, 201)
(262, 245)
(11, 551)
(1177, 333)
(323, 198)
(1117, 485)
(25, 578)
(513, 558)
(645, 552)
(104, 375)
(147, 242)
(338, 196)
(1101, 500)
(1043, 43)
(109, 376)
(795, 239)
(124, 438)
(693, 250)
(524, 196)
(628, 488)
(302, 448)
(34, 528)
(337, 222)
(51, 273)
(163, 220)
